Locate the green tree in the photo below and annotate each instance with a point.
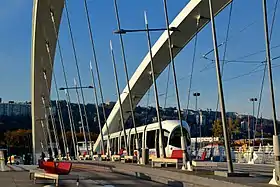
(217, 129)
(236, 130)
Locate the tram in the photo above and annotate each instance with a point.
(149, 138)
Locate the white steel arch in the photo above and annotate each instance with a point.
(140, 82)
(42, 30)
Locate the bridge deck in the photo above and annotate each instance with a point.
(260, 175)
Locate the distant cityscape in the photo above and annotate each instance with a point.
(15, 115)
(12, 108)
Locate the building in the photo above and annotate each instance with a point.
(110, 104)
(15, 109)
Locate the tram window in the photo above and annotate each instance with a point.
(140, 139)
(114, 145)
(105, 144)
(117, 144)
(151, 139)
(175, 139)
(122, 142)
(112, 142)
(165, 137)
(132, 141)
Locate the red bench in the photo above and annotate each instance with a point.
(177, 154)
(175, 158)
(40, 163)
(59, 168)
(63, 168)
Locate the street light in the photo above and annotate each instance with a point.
(124, 31)
(196, 94)
(69, 88)
(253, 100)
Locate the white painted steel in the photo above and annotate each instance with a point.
(140, 82)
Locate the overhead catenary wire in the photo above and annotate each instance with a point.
(78, 70)
(68, 99)
(97, 73)
(253, 71)
(229, 38)
(239, 59)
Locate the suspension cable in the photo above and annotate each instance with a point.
(192, 68)
(80, 111)
(183, 138)
(224, 55)
(48, 126)
(44, 134)
(119, 97)
(77, 67)
(167, 86)
(68, 99)
(264, 71)
(98, 74)
(51, 111)
(147, 105)
(97, 110)
(57, 101)
(127, 79)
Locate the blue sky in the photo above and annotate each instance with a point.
(15, 50)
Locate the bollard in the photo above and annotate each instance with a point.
(145, 156)
(2, 161)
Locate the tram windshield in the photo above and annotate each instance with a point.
(175, 138)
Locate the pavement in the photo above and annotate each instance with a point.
(260, 175)
(93, 176)
(113, 174)
(16, 179)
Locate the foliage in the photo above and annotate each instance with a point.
(80, 137)
(217, 129)
(18, 138)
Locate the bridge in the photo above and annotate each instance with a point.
(177, 34)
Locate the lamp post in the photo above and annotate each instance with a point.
(196, 94)
(253, 100)
(276, 146)
(148, 30)
(220, 89)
